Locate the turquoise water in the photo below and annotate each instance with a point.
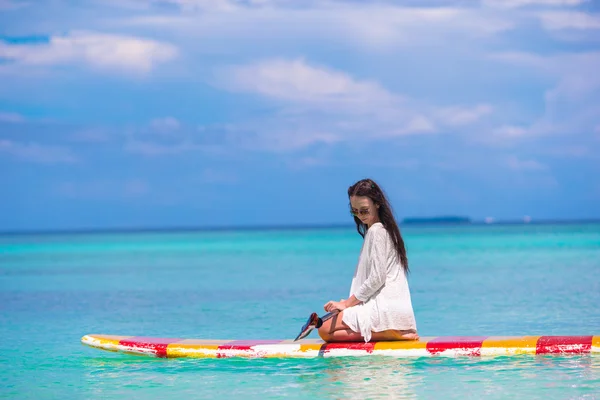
(465, 280)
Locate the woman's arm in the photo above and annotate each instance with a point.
(351, 302)
(378, 256)
(342, 304)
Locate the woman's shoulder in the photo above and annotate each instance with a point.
(377, 226)
(377, 231)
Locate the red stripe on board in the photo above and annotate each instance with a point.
(368, 347)
(158, 346)
(564, 344)
(242, 345)
(467, 345)
(251, 342)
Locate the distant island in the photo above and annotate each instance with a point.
(437, 220)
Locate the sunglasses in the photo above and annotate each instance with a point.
(360, 212)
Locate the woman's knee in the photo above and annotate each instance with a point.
(325, 335)
(324, 331)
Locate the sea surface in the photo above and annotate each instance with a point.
(530, 279)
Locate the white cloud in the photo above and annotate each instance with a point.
(520, 58)
(280, 133)
(169, 137)
(150, 148)
(556, 20)
(517, 164)
(293, 139)
(418, 123)
(524, 3)
(162, 137)
(321, 105)
(456, 116)
(572, 102)
(376, 26)
(577, 151)
(576, 72)
(201, 5)
(307, 162)
(382, 26)
(12, 5)
(510, 131)
(11, 117)
(91, 136)
(211, 175)
(34, 152)
(165, 125)
(506, 135)
(297, 81)
(97, 50)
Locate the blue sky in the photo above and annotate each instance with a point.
(141, 113)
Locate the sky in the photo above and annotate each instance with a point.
(198, 113)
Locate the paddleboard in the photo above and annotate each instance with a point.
(452, 346)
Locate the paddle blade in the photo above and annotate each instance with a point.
(308, 327)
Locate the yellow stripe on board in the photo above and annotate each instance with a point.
(509, 345)
(288, 348)
(596, 343)
(402, 344)
(176, 350)
(107, 342)
(306, 345)
(310, 347)
(195, 348)
(204, 342)
(113, 339)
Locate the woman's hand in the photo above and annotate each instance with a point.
(335, 305)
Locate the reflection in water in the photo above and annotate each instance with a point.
(366, 377)
(121, 376)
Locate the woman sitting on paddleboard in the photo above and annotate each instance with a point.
(379, 307)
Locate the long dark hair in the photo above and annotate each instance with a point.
(369, 188)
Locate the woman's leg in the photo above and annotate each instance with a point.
(335, 330)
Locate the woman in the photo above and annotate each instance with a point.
(379, 307)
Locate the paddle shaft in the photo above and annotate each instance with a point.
(326, 317)
(314, 321)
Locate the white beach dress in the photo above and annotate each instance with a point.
(380, 283)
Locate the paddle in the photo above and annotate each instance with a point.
(314, 321)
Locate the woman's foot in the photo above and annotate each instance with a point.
(409, 336)
(394, 335)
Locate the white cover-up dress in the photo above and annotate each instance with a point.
(380, 283)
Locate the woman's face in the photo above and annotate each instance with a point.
(364, 209)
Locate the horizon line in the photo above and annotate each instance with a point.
(433, 222)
